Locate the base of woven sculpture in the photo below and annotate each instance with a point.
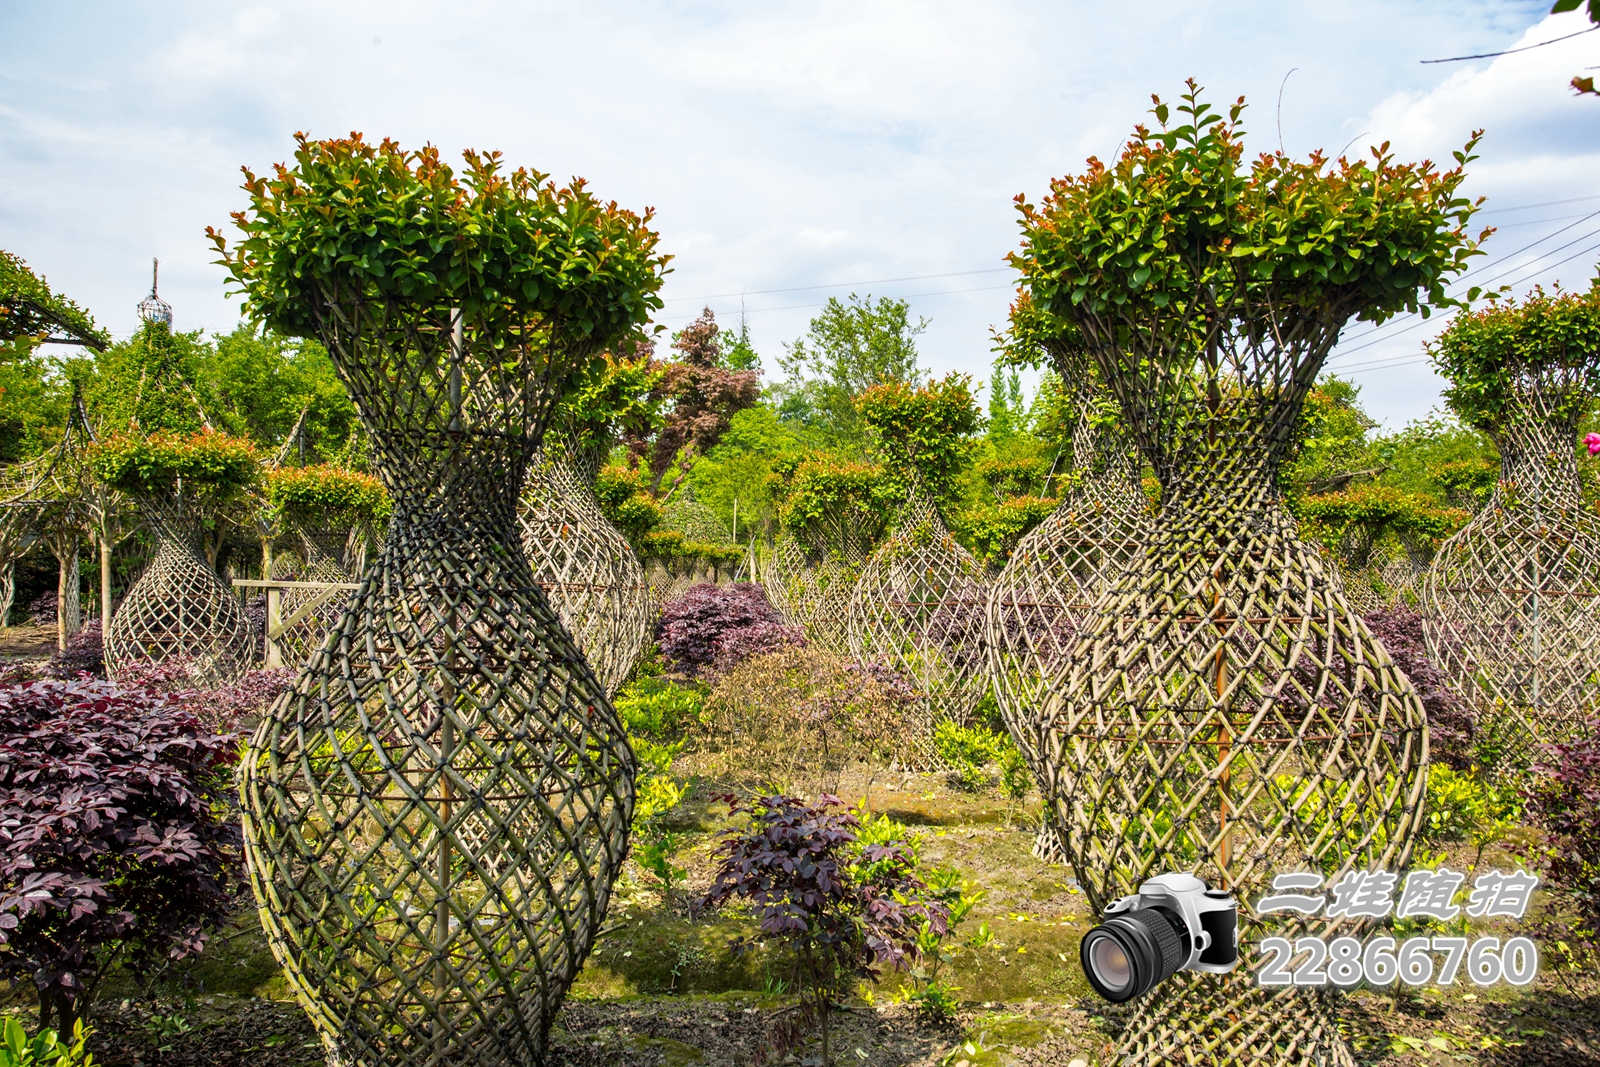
(1210, 1020)
(435, 813)
(179, 608)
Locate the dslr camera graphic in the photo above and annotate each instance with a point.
(1173, 923)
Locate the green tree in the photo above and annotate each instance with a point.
(150, 382)
(734, 479)
(848, 348)
(260, 383)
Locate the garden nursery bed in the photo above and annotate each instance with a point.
(663, 986)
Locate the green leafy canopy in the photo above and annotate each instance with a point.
(379, 222)
(327, 495)
(1179, 235)
(209, 465)
(926, 430)
(1551, 340)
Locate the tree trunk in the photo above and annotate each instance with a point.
(105, 582)
(69, 614)
(8, 593)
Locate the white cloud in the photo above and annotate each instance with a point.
(1541, 144)
(783, 145)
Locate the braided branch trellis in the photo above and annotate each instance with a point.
(179, 607)
(1509, 605)
(1225, 711)
(1059, 571)
(435, 813)
(918, 607)
(587, 568)
(813, 593)
(308, 614)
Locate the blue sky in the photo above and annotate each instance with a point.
(791, 151)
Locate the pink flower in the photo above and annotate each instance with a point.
(1593, 441)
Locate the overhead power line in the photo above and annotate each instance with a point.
(841, 285)
(1509, 51)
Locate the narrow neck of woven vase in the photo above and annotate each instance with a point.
(1104, 456)
(173, 522)
(324, 545)
(1538, 464)
(453, 419)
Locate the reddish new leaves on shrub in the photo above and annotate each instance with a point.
(842, 919)
(1450, 719)
(114, 835)
(1566, 804)
(691, 625)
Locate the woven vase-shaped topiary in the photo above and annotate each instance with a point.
(811, 591)
(435, 813)
(308, 614)
(918, 607)
(1511, 603)
(179, 607)
(1227, 712)
(587, 568)
(1058, 572)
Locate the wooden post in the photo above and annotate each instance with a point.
(274, 618)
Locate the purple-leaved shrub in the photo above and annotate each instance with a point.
(116, 843)
(692, 625)
(1450, 719)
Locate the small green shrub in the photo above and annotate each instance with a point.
(1463, 806)
(44, 1049)
(971, 750)
(656, 707)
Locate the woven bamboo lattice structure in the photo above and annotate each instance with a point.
(587, 568)
(1225, 711)
(1511, 603)
(435, 813)
(308, 614)
(918, 607)
(694, 520)
(812, 591)
(1059, 571)
(179, 607)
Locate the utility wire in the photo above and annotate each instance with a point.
(1509, 51)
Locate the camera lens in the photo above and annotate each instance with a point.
(1128, 954)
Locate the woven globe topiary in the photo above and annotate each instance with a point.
(179, 607)
(321, 504)
(918, 608)
(435, 813)
(1224, 711)
(694, 520)
(587, 568)
(1509, 602)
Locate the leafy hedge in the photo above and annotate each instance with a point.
(327, 494)
(215, 468)
(1554, 337)
(383, 223)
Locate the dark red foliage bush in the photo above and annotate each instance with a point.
(733, 647)
(1450, 718)
(84, 654)
(221, 707)
(691, 625)
(842, 914)
(116, 844)
(1565, 801)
